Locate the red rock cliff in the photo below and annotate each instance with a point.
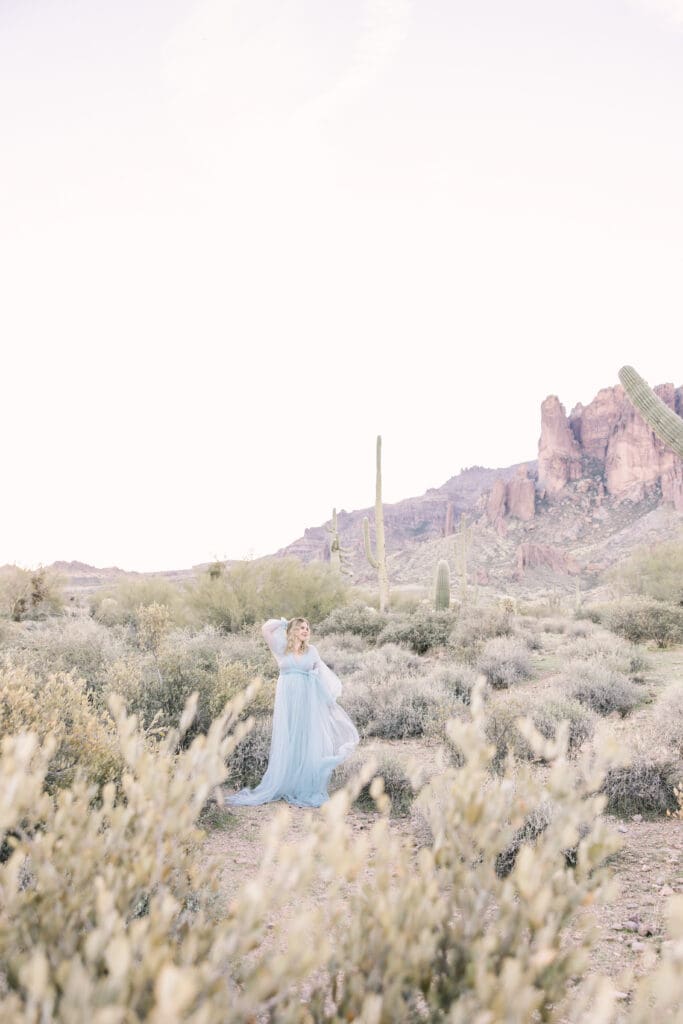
(608, 439)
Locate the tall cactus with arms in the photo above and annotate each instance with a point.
(667, 425)
(378, 562)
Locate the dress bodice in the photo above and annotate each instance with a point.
(305, 662)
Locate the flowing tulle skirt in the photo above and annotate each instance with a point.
(312, 734)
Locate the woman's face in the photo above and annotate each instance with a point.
(302, 632)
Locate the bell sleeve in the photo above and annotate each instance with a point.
(275, 634)
(330, 682)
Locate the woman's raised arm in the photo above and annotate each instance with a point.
(275, 634)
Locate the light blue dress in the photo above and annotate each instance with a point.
(311, 735)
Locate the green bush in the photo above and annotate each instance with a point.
(79, 646)
(643, 787)
(358, 619)
(601, 688)
(654, 571)
(504, 662)
(29, 594)
(421, 631)
(246, 593)
(57, 709)
(120, 603)
(640, 620)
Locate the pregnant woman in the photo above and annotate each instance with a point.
(311, 733)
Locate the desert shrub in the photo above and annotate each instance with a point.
(409, 706)
(643, 787)
(183, 664)
(546, 714)
(79, 646)
(457, 680)
(345, 653)
(504, 662)
(553, 708)
(231, 679)
(668, 716)
(111, 911)
(213, 602)
(58, 707)
(640, 620)
(579, 628)
(119, 604)
(152, 623)
(533, 638)
(600, 688)
(249, 761)
(247, 647)
(29, 594)
(553, 625)
(594, 613)
(474, 626)
(533, 826)
(502, 730)
(395, 783)
(611, 651)
(421, 631)
(271, 587)
(356, 618)
(654, 571)
(410, 599)
(383, 664)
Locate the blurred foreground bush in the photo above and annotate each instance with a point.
(111, 911)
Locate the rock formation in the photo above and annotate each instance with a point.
(589, 462)
(559, 453)
(521, 496)
(609, 442)
(538, 556)
(516, 498)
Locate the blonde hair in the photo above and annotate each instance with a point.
(291, 626)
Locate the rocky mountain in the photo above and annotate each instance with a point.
(602, 484)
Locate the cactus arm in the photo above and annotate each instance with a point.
(666, 424)
(442, 586)
(368, 550)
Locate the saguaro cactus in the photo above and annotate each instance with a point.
(667, 425)
(463, 541)
(378, 562)
(338, 554)
(442, 586)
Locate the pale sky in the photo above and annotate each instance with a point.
(239, 238)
